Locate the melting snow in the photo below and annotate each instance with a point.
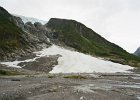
(75, 62)
(15, 63)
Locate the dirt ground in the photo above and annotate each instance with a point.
(97, 86)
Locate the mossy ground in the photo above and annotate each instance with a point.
(76, 77)
(9, 73)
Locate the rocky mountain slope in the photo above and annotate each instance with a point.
(10, 35)
(17, 36)
(137, 52)
(84, 39)
(14, 41)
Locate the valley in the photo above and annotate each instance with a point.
(62, 59)
(78, 79)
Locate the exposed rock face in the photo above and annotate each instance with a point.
(43, 64)
(137, 52)
(12, 38)
(19, 39)
(38, 30)
(16, 38)
(18, 21)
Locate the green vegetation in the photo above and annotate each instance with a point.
(51, 76)
(9, 73)
(83, 39)
(69, 32)
(75, 77)
(10, 35)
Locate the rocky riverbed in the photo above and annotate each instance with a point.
(35, 78)
(82, 86)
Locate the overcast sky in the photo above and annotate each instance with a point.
(116, 20)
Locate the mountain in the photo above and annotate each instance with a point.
(84, 39)
(20, 39)
(10, 34)
(30, 19)
(137, 52)
(14, 41)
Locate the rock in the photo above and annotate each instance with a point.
(43, 64)
(3, 93)
(137, 52)
(54, 89)
(29, 24)
(130, 78)
(29, 92)
(38, 25)
(82, 98)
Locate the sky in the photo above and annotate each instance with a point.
(116, 20)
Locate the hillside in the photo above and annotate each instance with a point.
(10, 34)
(14, 42)
(137, 52)
(19, 39)
(84, 39)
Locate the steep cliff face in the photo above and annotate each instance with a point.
(137, 52)
(36, 29)
(84, 39)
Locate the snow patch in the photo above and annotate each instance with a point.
(15, 63)
(30, 19)
(75, 62)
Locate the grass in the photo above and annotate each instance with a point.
(85, 40)
(9, 32)
(75, 77)
(51, 76)
(9, 73)
(11, 36)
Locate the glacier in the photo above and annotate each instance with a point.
(75, 62)
(30, 19)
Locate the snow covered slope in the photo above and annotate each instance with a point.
(30, 19)
(75, 62)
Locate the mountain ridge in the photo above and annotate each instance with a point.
(65, 32)
(30, 19)
(137, 52)
(15, 42)
(84, 39)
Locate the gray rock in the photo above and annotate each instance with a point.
(137, 52)
(43, 64)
